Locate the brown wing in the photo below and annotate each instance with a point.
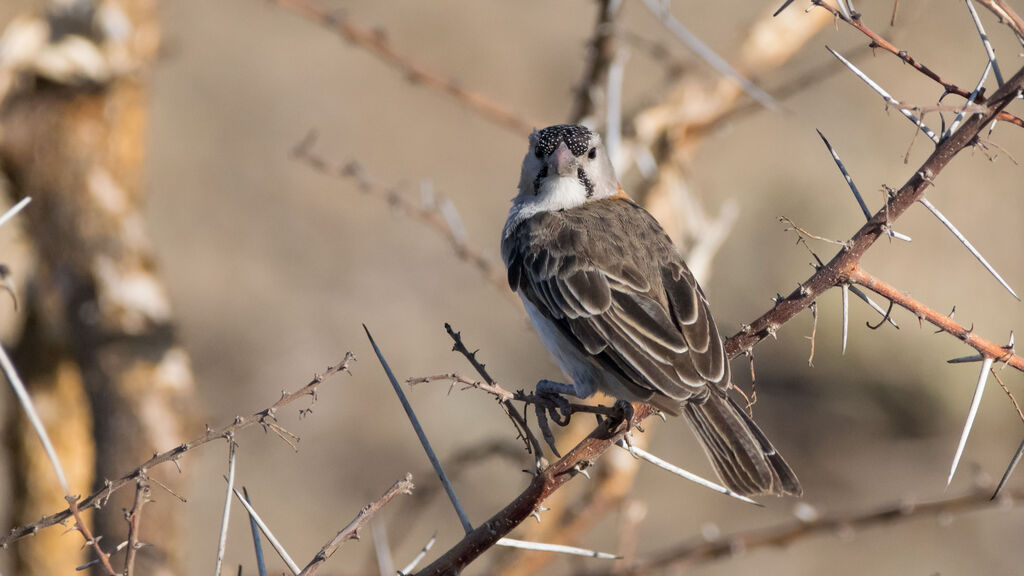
(611, 280)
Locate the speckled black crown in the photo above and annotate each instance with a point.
(576, 137)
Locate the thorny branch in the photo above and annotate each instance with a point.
(544, 483)
(878, 42)
(375, 41)
(838, 270)
(727, 546)
(351, 530)
(431, 214)
(134, 518)
(90, 540)
(264, 418)
(945, 323)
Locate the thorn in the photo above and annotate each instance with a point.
(970, 247)
(846, 314)
(1009, 469)
(986, 365)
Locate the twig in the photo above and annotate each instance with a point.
(134, 517)
(266, 532)
(99, 497)
(879, 42)
(945, 323)
(853, 188)
(466, 383)
(90, 540)
(430, 214)
(844, 263)
(226, 515)
(600, 54)
(463, 518)
(351, 530)
(532, 444)
(889, 100)
(1007, 16)
(662, 13)
(727, 546)
(377, 44)
(544, 483)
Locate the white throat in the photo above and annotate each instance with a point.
(555, 194)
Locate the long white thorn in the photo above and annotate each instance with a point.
(963, 240)
(33, 418)
(661, 12)
(270, 535)
(669, 467)
(559, 548)
(986, 365)
(989, 51)
(846, 314)
(13, 210)
(856, 192)
(226, 515)
(885, 96)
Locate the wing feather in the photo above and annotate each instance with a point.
(642, 318)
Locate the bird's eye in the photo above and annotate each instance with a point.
(592, 154)
(537, 152)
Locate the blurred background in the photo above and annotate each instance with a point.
(271, 268)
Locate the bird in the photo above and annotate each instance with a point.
(616, 306)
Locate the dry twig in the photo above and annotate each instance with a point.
(376, 42)
(351, 530)
(99, 498)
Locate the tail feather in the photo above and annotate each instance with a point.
(741, 454)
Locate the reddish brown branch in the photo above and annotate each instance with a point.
(1006, 16)
(351, 530)
(90, 540)
(543, 485)
(878, 42)
(941, 321)
(134, 517)
(99, 498)
(376, 42)
(838, 270)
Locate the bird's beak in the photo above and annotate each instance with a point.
(563, 161)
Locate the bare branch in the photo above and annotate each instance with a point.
(351, 530)
(943, 322)
(844, 263)
(98, 498)
(377, 44)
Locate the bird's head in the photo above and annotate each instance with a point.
(566, 166)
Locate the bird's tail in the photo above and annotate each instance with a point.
(743, 457)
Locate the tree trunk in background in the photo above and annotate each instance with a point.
(99, 351)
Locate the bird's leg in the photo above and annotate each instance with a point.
(555, 393)
(552, 402)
